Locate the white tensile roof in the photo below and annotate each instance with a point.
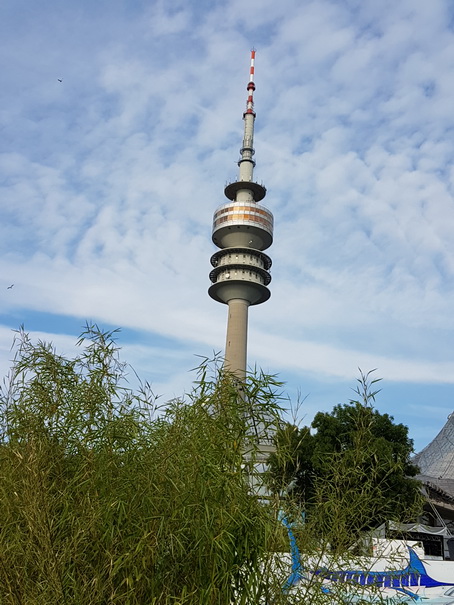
(436, 460)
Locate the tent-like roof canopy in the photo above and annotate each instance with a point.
(436, 460)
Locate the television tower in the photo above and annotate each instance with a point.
(242, 229)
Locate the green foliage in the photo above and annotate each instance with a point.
(106, 498)
(353, 472)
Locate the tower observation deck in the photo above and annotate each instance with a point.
(242, 229)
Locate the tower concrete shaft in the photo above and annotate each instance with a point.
(236, 340)
(242, 229)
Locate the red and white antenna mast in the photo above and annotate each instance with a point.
(246, 162)
(251, 85)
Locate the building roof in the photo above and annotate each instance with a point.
(436, 460)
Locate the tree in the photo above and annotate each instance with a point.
(353, 454)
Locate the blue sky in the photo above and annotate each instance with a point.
(109, 180)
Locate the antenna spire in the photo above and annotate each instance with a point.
(251, 86)
(246, 162)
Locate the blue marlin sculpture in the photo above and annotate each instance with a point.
(401, 581)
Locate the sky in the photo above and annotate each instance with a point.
(109, 179)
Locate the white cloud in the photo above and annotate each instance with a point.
(109, 179)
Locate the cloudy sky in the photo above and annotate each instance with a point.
(109, 180)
